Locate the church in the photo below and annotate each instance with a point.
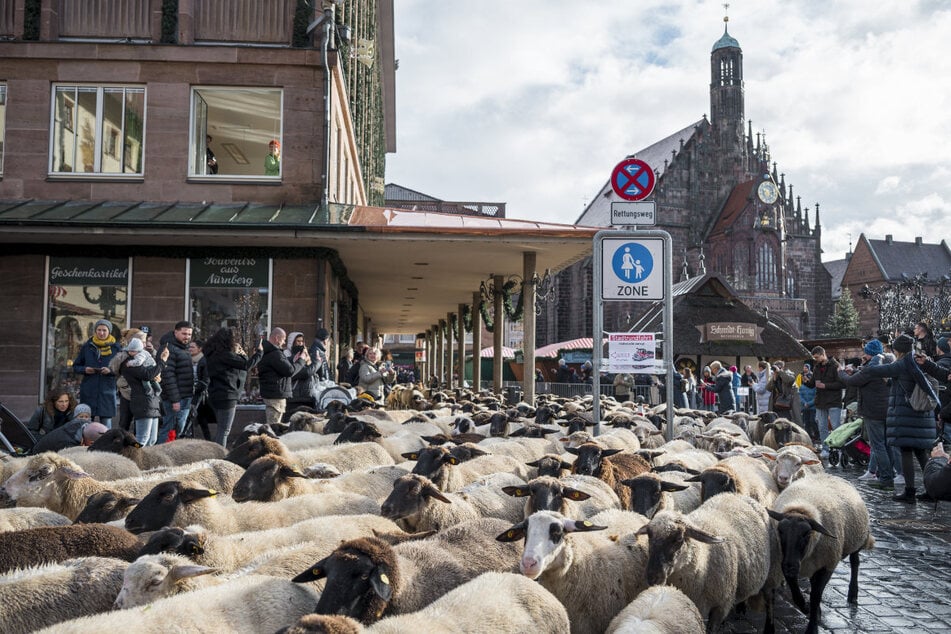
(721, 197)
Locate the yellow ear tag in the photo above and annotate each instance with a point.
(212, 493)
(316, 571)
(586, 523)
(510, 534)
(518, 492)
(384, 579)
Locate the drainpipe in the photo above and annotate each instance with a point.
(328, 88)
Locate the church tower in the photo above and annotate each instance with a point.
(727, 106)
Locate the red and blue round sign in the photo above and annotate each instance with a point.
(633, 179)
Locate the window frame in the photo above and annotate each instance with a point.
(3, 124)
(100, 132)
(193, 175)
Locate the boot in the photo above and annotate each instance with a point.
(908, 496)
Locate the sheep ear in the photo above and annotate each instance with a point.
(702, 536)
(672, 486)
(565, 465)
(549, 430)
(313, 573)
(516, 492)
(513, 534)
(770, 456)
(292, 472)
(128, 502)
(450, 460)
(819, 528)
(533, 463)
(811, 462)
(518, 432)
(412, 455)
(191, 495)
(776, 515)
(582, 526)
(572, 450)
(71, 474)
(380, 583)
(433, 440)
(181, 572)
(695, 478)
(575, 494)
(610, 452)
(641, 531)
(436, 494)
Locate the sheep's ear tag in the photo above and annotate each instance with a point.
(384, 579)
(137, 445)
(212, 493)
(587, 524)
(510, 534)
(317, 572)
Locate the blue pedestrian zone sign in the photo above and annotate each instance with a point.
(632, 269)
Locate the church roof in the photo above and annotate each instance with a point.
(598, 211)
(727, 41)
(836, 269)
(910, 258)
(733, 208)
(392, 191)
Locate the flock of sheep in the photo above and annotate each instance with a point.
(462, 515)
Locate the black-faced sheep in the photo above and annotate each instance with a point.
(739, 474)
(575, 496)
(550, 465)
(449, 474)
(782, 432)
(609, 465)
(652, 492)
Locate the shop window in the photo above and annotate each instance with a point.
(97, 130)
(235, 132)
(3, 121)
(81, 291)
(229, 292)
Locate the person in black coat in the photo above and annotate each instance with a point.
(318, 355)
(56, 411)
(304, 380)
(228, 366)
(938, 475)
(145, 400)
(178, 382)
(275, 372)
(79, 431)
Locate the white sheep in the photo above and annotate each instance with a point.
(183, 503)
(611, 438)
(41, 596)
(251, 605)
(821, 520)
(652, 492)
(594, 574)
(102, 465)
(783, 431)
(793, 462)
(16, 519)
(719, 555)
(738, 474)
(153, 577)
(522, 449)
(658, 610)
(574, 495)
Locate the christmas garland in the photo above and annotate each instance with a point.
(513, 313)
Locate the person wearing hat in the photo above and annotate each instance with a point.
(142, 373)
(125, 414)
(873, 408)
(272, 162)
(98, 389)
(79, 431)
(911, 431)
(319, 355)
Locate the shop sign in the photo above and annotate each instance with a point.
(730, 331)
(633, 353)
(81, 271)
(222, 272)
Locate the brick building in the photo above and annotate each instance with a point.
(728, 209)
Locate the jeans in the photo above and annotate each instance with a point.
(172, 419)
(826, 416)
(224, 418)
(883, 460)
(146, 431)
(106, 421)
(809, 422)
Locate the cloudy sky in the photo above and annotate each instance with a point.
(533, 102)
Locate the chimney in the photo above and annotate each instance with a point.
(918, 241)
(888, 239)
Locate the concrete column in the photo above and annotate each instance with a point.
(498, 328)
(440, 352)
(528, 327)
(461, 345)
(450, 347)
(476, 341)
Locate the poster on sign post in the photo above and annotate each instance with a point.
(633, 353)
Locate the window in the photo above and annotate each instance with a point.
(231, 292)
(766, 278)
(97, 130)
(236, 133)
(3, 120)
(80, 291)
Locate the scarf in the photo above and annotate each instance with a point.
(104, 345)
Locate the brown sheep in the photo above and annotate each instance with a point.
(611, 466)
(49, 544)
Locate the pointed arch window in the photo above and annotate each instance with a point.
(766, 277)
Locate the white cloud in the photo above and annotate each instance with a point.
(533, 102)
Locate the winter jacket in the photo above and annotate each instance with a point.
(318, 359)
(343, 370)
(42, 423)
(227, 373)
(723, 386)
(904, 426)
(178, 380)
(303, 382)
(762, 392)
(275, 372)
(98, 391)
(144, 402)
(830, 395)
(873, 392)
(938, 479)
(940, 370)
(69, 435)
(371, 380)
(784, 383)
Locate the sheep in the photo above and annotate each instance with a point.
(42, 596)
(658, 610)
(181, 503)
(9, 465)
(821, 520)
(121, 442)
(739, 474)
(228, 553)
(448, 474)
(101, 465)
(518, 605)
(367, 578)
(793, 462)
(550, 465)
(783, 431)
(576, 496)
(718, 555)
(522, 449)
(396, 444)
(106, 506)
(605, 465)
(250, 604)
(153, 577)
(344, 458)
(689, 460)
(620, 438)
(595, 575)
(50, 544)
(652, 492)
(16, 519)
(53, 482)
(416, 504)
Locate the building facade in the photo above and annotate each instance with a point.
(728, 210)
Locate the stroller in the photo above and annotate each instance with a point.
(846, 444)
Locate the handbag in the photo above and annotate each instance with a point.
(922, 401)
(783, 402)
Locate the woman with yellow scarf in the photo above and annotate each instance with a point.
(98, 389)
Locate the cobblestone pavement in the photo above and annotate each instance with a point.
(903, 582)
